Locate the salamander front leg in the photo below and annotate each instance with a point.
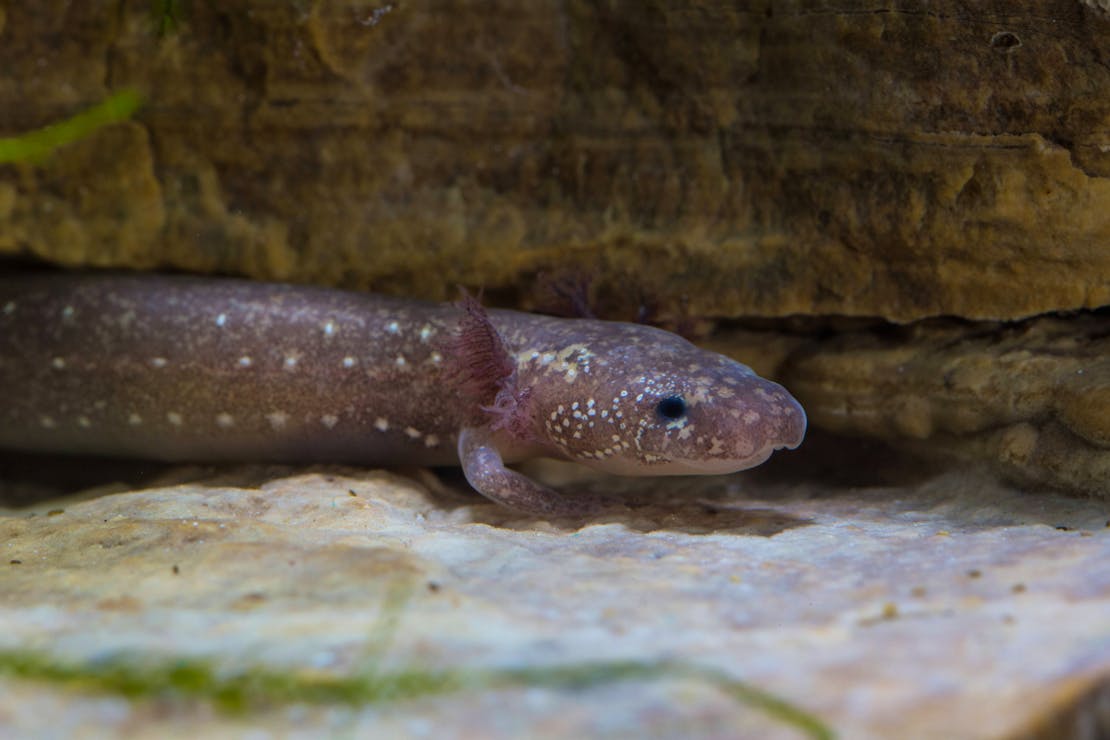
(485, 470)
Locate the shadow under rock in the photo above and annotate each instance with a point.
(853, 477)
(832, 463)
(33, 479)
(695, 505)
(28, 479)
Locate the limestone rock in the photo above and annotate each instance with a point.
(742, 159)
(1033, 397)
(946, 607)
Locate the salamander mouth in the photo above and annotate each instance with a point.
(707, 466)
(718, 466)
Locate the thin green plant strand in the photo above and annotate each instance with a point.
(139, 678)
(36, 146)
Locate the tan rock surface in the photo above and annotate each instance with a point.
(744, 159)
(948, 607)
(1032, 397)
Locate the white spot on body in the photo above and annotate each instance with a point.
(400, 361)
(277, 419)
(159, 362)
(436, 358)
(58, 363)
(348, 362)
(431, 440)
(174, 418)
(329, 420)
(290, 362)
(245, 361)
(381, 424)
(413, 433)
(221, 320)
(9, 308)
(67, 312)
(134, 420)
(426, 332)
(225, 421)
(329, 328)
(393, 327)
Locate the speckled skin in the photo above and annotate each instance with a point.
(178, 368)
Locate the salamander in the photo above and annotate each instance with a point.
(216, 369)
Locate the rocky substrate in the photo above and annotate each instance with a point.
(758, 604)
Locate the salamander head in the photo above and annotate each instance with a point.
(661, 406)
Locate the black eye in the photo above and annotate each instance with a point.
(671, 408)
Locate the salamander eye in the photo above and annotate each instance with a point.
(671, 408)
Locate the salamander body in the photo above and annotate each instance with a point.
(205, 369)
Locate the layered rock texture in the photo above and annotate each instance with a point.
(735, 158)
(901, 211)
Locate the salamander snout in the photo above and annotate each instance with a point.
(772, 420)
(738, 431)
(731, 420)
